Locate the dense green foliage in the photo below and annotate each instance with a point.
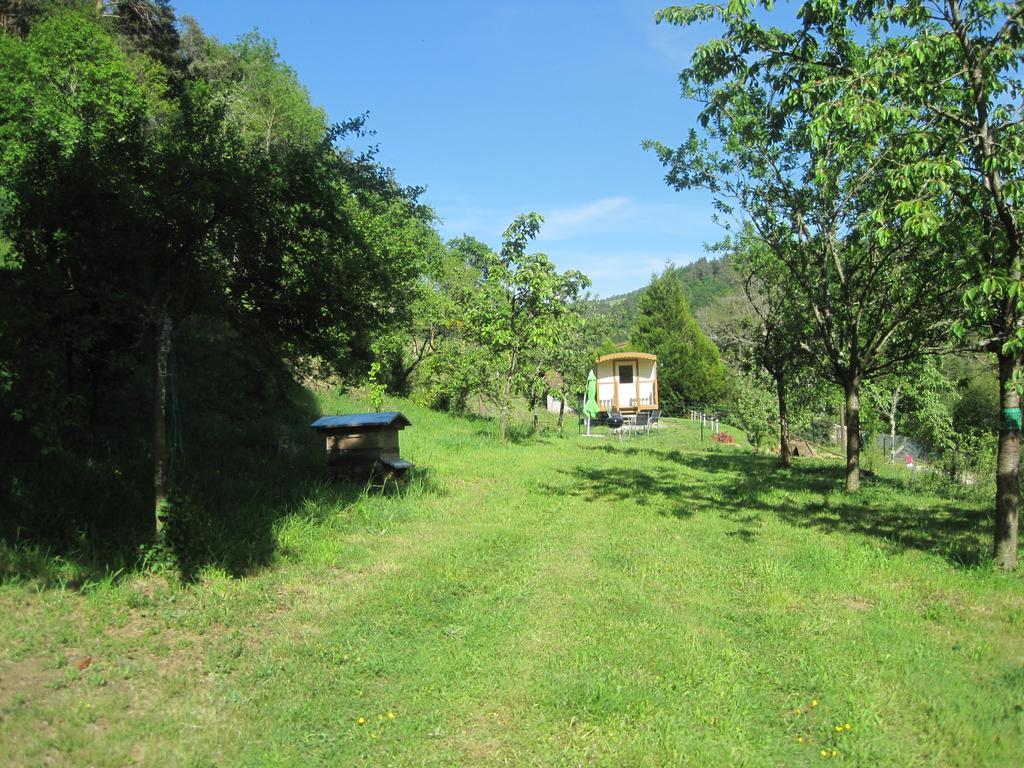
(437, 357)
(240, 220)
(166, 199)
(875, 149)
(149, 206)
(690, 369)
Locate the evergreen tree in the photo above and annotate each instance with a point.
(690, 369)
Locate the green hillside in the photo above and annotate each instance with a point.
(552, 602)
(705, 281)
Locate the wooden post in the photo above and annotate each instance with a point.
(161, 457)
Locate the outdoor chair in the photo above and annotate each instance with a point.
(643, 422)
(656, 419)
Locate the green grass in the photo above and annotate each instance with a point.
(554, 601)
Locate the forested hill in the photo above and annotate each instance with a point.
(705, 281)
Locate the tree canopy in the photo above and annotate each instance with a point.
(690, 369)
(822, 202)
(519, 311)
(142, 188)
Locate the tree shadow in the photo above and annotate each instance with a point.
(243, 457)
(742, 487)
(811, 494)
(642, 488)
(516, 433)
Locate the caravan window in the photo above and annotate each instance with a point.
(625, 374)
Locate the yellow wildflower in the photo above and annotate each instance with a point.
(824, 753)
(800, 739)
(814, 702)
(361, 721)
(391, 715)
(847, 727)
(835, 752)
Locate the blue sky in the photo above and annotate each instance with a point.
(504, 107)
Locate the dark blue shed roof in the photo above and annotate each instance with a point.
(356, 420)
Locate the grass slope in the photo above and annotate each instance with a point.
(550, 602)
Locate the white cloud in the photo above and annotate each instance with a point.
(615, 272)
(485, 224)
(618, 241)
(626, 216)
(615, 214)
(567, 223)
(602, 215)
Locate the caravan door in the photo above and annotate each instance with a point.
(627, 385)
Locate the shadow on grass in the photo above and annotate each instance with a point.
(243, 459)
(812, 495)
(516, 433)
(628, 485)
(741, 487)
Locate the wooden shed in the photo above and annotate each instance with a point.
(627, 382)
(364, 443)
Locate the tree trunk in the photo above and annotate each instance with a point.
(161, 457)
(506, 395)
(69, 368)
(503, 414)
(892, 432)
(1004, 546)
(785, 452)
(506, 388)
(561, 412)
(852, 436)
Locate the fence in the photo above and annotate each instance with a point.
(823, 434)
(967, 464)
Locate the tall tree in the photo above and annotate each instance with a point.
(690, 368)
(823, 203)
(133, 202)
(443, 361)
(950, 72)
(516, 311)
(437, 312)
(777, 341)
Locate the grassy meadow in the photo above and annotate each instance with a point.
(554, 601)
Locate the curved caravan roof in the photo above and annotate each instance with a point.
(627, 356)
